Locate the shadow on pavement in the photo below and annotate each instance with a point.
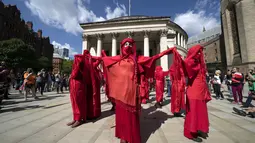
(104, 114)
(11, 102)
(20, 108)
(151, 121)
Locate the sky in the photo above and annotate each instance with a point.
(59, 19)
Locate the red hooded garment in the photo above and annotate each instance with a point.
(160, 83)
(177, 77)
(122, 79)
(144, 89)
(93, 86)
(78, 89)
(197, 94)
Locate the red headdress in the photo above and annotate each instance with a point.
(195, 54)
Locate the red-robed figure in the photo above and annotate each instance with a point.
(196, 120)
(78, 91)
(93, 87)
(160, 84)
(85, 89)
(178, 85)
(144, 89)
(123, 74)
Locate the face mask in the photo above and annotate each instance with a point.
(127, 49)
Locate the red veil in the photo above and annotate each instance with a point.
(178, 83)
(196, 72)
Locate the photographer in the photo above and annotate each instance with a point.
(250, 78)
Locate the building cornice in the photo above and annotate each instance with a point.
(113, 22)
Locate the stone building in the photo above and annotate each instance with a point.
(238, 20)
(152, 35)
(56, 63)
(204, 37)
(215, 55)
(12, 26)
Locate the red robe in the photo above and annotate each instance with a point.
(122, 75)
(197, 94)
(160, 83)
(78, 89)
(144, 89)
(178, 84)
(93, 87)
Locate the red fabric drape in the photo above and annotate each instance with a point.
(78, 90)
(178, 83)
(93, 87)
(123, 74)
(197, 94)
(160, 83)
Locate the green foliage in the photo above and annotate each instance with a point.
(67, 66)
(16, 53)
(43, 62)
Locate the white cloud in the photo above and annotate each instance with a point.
(193, 23)
(67, 14)
(120, 10)
(72, 51)
(201, 4)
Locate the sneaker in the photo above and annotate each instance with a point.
(234, 102)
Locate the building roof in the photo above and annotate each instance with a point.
(203, 35)
(127, 18)
(55, 55)
(139, 18)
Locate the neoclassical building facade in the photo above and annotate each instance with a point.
(152, 35)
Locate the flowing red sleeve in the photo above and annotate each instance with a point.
(148, 64)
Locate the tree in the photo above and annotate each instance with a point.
(67, 66)
(43, 62)
(17, 54)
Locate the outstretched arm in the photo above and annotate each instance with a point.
(166, 52)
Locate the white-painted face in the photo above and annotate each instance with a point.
(127, 44)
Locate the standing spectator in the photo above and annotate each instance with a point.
(53, 81)
(12, 78)
(64, 82)
(228, 82)
(237, 79)
(39, 84)
(58, 81)
(29, 82)
(251, 83)
(243, 79)
(217, 84)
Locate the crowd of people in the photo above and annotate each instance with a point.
(127, 80)
(235, 82)
(31, 82)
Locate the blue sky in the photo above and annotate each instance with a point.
(60, 20)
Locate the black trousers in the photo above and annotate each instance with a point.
(217, 91)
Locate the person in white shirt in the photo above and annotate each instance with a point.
(217, 84)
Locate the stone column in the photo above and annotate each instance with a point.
(163, 47)
(182, 40)
(114, 44)
(175, 39)
(178, 39)
(99, 44)
(84, 43)
(146, 50)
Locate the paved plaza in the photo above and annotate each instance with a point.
(44, 121)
